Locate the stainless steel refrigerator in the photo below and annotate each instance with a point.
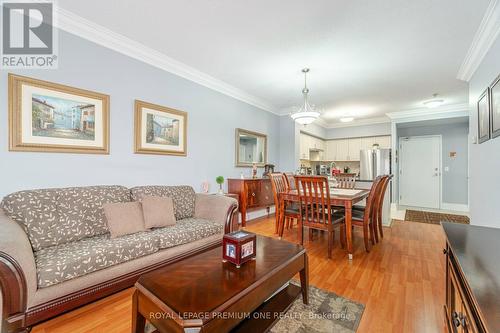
(374, 162)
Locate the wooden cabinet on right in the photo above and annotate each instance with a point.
(472, 302)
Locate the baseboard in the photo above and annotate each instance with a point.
(455, 207)
(396, 213)
(257, 214)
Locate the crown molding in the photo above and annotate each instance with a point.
(420, 114)
(100, 35)
(484, 38)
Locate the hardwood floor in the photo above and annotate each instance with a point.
(401, 282)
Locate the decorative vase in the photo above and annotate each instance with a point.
(221, 191)
(254, 171)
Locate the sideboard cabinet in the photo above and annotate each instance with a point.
(253, 193)
(472, 301)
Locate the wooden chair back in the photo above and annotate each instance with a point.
(314, 194)
(371, 200)
(379, 200)
(290, 178)
(278, 185)
(381, 194)
(346, 180)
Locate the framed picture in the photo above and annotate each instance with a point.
(495, 107)
(160, 130)
(483, 116)
(51, 117)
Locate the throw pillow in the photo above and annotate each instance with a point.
(124, 218)
(158, 211)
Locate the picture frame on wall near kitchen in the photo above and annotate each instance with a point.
(51, 117)
(483, 116)
(495, 107)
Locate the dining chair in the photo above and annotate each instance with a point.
(316, 211)
(346, 180)
(376, 214)
(290, 178)
(380, 203)
(279, 184)
(364, 218)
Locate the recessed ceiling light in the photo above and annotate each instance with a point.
(434, 102)
(346, 119)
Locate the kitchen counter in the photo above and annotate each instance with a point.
(475, 250)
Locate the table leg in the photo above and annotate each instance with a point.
(138, 320)
(281, 224)
(300, 231)
(304, 281)
(348, 231)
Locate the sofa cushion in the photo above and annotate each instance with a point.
(185, 231)
(57, 216)
(183, 197)
(124, 218)
(158, 212)
(64, 262)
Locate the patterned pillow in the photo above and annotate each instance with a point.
(61, 215)
(183, 196)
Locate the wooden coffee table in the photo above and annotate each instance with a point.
(203, 294)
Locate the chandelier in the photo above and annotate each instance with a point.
(306, 113)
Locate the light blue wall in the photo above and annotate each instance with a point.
(212, 119)
(289, 145)
(485, 157)
(358, 131)
(454, 139)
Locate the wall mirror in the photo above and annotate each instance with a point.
(251, 147)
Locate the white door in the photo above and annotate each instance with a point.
(420, 171)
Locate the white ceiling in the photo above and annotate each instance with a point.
(366, 57)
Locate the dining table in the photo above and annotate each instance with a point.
(346, 198)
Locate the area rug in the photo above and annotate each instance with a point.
(434, 218)
(326, 313)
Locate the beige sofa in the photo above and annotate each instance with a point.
(56, 253)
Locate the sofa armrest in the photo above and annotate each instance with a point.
(218, 208)
(17, 273)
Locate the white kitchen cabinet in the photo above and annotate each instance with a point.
(367, 143)
(342, 150)
(383, 141)
(354, 149)
(308, 142)
(304, 146)
(349, 149)
(331, 150)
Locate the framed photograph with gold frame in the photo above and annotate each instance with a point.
(495, 107)
(51, 117)
(483, 116)
(160, 130)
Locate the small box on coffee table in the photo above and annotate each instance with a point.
(238, 247)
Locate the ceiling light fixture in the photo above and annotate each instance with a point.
(307, 113)
(346, 119)
(434, 102)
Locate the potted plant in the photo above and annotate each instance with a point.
(220, 180)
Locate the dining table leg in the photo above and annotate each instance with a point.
(348, 229)
(281, 219)
(277, 217)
